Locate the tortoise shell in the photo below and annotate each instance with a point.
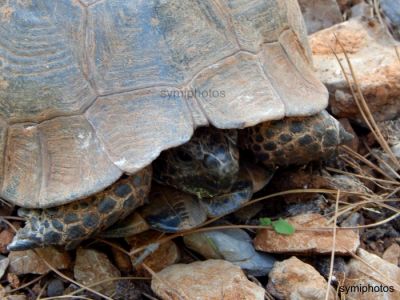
(92, 89)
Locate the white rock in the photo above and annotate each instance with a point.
(293, 279)
(211, 280)
(371, 272)
(375, 63)
(92, 266)
(320, 14)
(26, 262)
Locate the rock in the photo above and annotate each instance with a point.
(361, 275)
(4, 262)
(13, 279)
(131, 290)
(318, 204)
(131, 225)
(6, 209)
(344, 183)
(386, 163)
(233, 245)
(246, 213)
(293, 279)
(320, 14)
(352, 219)
(3, 292)
(344, 4)
(391, 11)
(375, 63)
(166, 254)
(29, 261)
(300, 178)
(55, 288)
(354, 144)
(92, 266)
(362, 9)
(16, 297)
(323, 266)
(37, 288)
(71, 288)
(380, 232)
(391, 133)
(307, 241)
(6, 237)
(122, 261)
(210, 279)
(391, 254)
(294, 178)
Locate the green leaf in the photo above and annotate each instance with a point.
(283, 227)
(265, 222)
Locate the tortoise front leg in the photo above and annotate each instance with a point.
(69, 224)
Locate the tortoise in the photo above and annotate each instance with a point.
(206, 169)
(169, 210)
(91, 90)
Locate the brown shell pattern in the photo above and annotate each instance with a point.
(91, 89)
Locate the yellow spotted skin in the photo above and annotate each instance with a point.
(69, 224)
(296, 140)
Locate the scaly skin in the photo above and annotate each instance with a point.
(205, 166)
(69, 224)
(296, 140)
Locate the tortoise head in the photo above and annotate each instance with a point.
(206, 166)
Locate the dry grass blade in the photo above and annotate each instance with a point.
(6, 203)
(26, 284)
(348, 207)
(367, 162)
(389, 207)
(373, 224)
(66, 297)
(378, 182)
(9, 224)
(328, 288)
(394, 192)
(372, 179)
(268, 296)
(105, 281)
(379, 16)
(13, 218)
(382, 161)
(112, 245)
(39, 296)
(149, 297)
(362, 104)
